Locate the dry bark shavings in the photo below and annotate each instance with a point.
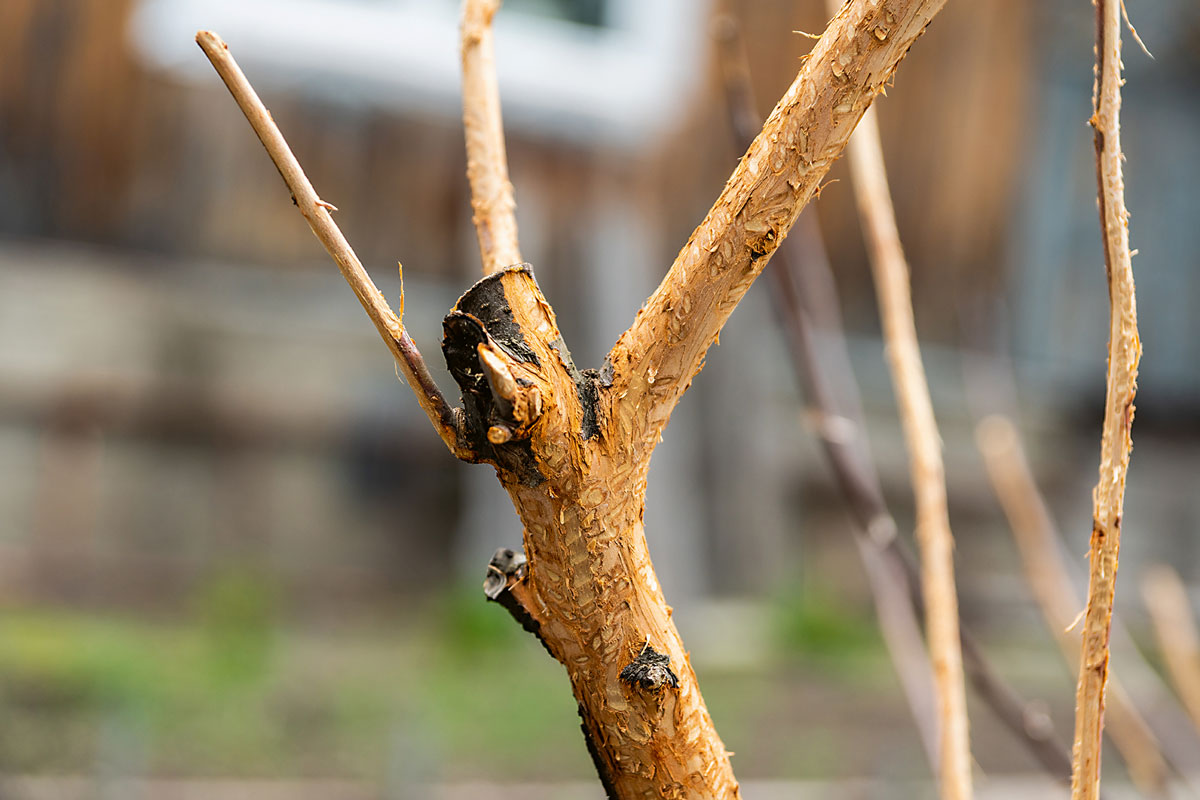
(651, 670)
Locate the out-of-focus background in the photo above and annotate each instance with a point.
(234, 559)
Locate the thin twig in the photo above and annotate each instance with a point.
(316, 212)
(487, 162)
(806, 303)
(1048, 577)
(1124, 350)
(1167, 601)
(924, 445)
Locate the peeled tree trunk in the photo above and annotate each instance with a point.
(571, 447)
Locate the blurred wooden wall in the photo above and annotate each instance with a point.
(94, 148)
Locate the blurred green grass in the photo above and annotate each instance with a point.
(449, 690)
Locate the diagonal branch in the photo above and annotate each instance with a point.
(1124, 350)
(807, 306)
(925, 454)
(487, 164)
(654, 361)
(838, 429)
(316, 212)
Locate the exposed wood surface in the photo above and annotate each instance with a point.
(1124, 350)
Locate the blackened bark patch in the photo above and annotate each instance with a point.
(589, 398)
(462, 334)
(486, 302)
(651, 670)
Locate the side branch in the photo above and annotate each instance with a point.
(487, 163)
(316, 212)
(655, 359)
(1124, 350)
(925, 454)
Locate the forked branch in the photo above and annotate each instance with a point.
(316, 212)
(487, 163)
(1124, 350)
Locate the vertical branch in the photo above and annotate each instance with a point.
(316, 212)
(1175, 627)
(924, 446)
(1124, 350)
(487, 163)
(1048, 577)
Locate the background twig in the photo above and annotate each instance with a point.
(1124, 350)
(1167, 601)
(1048, 577)
(316, 213)
(804, 298)
(924, 446)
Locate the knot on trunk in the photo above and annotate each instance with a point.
(651, 670)
(507, 566)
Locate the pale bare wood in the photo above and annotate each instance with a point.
(924, 445)
(487, 162)
(316, 212)
(1124, 350)
(654, 361)
(1175, 627)
(1048, 577)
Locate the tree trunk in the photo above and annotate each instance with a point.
(573, 448)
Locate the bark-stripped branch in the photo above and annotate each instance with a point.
(1048, 577)
(1175, 627)
(654, 361)
(1124, 350)
(316, 212)
(924, 448)
(806, 303)
(487, 163)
